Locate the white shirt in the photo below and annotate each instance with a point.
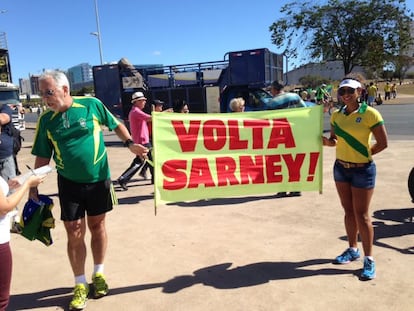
(4, 220)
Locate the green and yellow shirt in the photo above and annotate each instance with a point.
(74, 138)
(354, 132)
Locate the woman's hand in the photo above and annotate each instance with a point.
(13, 183)
(331, 142)
(34, 180)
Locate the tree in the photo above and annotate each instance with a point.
(358, 32)
(401, 65)
(84, 90)
(313, 82)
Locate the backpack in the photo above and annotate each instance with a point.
(17, 139)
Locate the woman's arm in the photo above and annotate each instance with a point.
(8, 203)
(331, 141)
(381, 138)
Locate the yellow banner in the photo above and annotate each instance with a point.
(201, 156)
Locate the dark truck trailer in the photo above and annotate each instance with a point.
(206, 87)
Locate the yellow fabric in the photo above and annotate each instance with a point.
(355, 145)
(199, 156)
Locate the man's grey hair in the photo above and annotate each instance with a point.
(58, 76)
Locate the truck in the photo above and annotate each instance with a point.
(9, 95)
(206, 86)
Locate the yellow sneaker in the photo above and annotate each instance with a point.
(99, 284)
(80, 297)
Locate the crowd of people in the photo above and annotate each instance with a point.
(69, 132)
(370, 93)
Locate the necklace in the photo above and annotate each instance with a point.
(65, 120)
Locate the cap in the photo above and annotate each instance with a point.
(158, 102)
(350, 83)
(137, 96)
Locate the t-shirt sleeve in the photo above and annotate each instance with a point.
(375, 119)
(106, 117)
(42, 146)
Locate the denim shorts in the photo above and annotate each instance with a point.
(358, 177)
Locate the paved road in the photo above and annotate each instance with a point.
(397, 115)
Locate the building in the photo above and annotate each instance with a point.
(34, 84)
(80, 76)
(29, 86)
(80, 73)
(332, 70)
(24, 85)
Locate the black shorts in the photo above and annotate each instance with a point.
(77, 198)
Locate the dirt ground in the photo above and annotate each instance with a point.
(240, 253)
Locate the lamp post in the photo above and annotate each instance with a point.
(287, 63)
(98, 32)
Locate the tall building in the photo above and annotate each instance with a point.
(24, 85)
(80, 74)
(34, 84)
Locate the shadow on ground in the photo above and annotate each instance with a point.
(220, 276)
(226, 201)
(403, 225)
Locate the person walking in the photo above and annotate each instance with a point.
(387, 91)
(70, 131)
(322, 95)
(372, 94)
(394, 91)
(354, 169)
(138, 121)
(282, 99)
(7, 205)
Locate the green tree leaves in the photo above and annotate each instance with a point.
(368, 33)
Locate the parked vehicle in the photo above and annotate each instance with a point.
(9, 94)
(206, 87)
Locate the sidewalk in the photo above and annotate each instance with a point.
(241, 253)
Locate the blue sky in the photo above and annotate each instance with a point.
(49, 34)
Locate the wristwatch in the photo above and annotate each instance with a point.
(128, 143)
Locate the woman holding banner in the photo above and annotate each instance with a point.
(354, 170)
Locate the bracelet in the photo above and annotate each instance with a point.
(128, 143)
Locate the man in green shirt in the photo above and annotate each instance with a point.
(70, 132)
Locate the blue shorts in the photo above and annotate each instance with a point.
(358, 177)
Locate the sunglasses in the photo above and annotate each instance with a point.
(342, 91)
(46, 93)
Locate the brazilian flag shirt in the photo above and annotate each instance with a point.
(74, 138)
(354, 132)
